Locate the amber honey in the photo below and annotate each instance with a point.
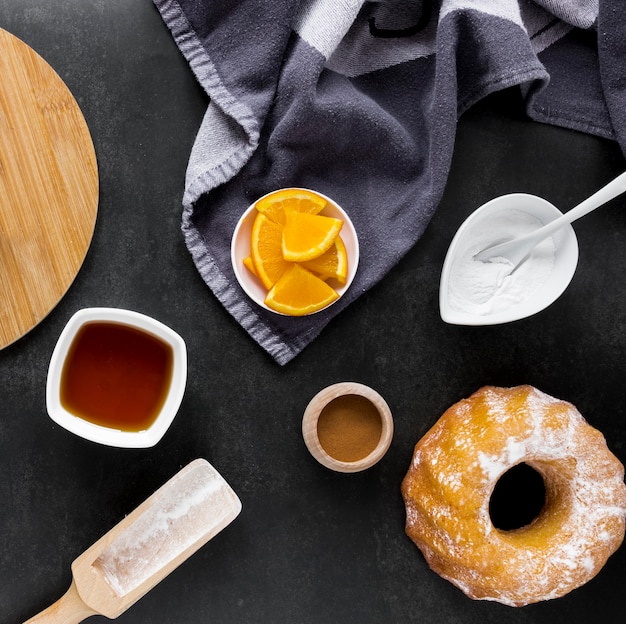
(116, 376)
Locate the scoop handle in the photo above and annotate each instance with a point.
(69, 609)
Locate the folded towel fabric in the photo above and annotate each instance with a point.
(360, 101)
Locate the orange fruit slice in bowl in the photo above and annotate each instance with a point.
(332, 264)
(307, 236)
(298, 292)
(274, 205)
(266, 250)
(248, 262)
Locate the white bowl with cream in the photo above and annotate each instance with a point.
(473, 292)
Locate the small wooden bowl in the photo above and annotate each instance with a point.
(324, 398)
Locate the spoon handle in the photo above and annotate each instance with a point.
(69, 609)
(517, 249)
(606, 193)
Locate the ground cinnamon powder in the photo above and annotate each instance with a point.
(349, 428)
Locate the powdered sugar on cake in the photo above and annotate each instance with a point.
(465, 454)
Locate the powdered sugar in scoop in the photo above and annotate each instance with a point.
(182, 515)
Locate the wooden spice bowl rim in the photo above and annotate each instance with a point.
(326, 396)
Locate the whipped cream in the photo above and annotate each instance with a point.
(484, 288)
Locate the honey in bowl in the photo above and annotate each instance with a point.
(116, 376)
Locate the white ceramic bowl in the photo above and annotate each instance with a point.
(323, 400)
(240, 249)
(565, 261)
(108, 435)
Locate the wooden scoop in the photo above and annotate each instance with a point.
(179, 518)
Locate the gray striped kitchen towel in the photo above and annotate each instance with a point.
(360, 100)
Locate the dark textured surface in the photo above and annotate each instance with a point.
(310, 546)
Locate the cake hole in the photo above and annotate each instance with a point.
(518, 498)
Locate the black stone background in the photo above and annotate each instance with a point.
(310, 546)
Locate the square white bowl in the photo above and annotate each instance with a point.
(108, 435)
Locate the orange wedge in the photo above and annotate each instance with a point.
(332, 264)
(307, 236)
(248, 262)
(266, 250)
(274, 205)
(298, 292)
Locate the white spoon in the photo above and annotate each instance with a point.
(518, 249)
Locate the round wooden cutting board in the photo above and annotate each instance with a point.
(48, 188)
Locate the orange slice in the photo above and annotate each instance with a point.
(266, 250)
(307, 236)
(298, 292)
(332, 264)
(274, 205)
(248, 262)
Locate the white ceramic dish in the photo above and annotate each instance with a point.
(240, 249)
(107, 435)
(565, 261)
